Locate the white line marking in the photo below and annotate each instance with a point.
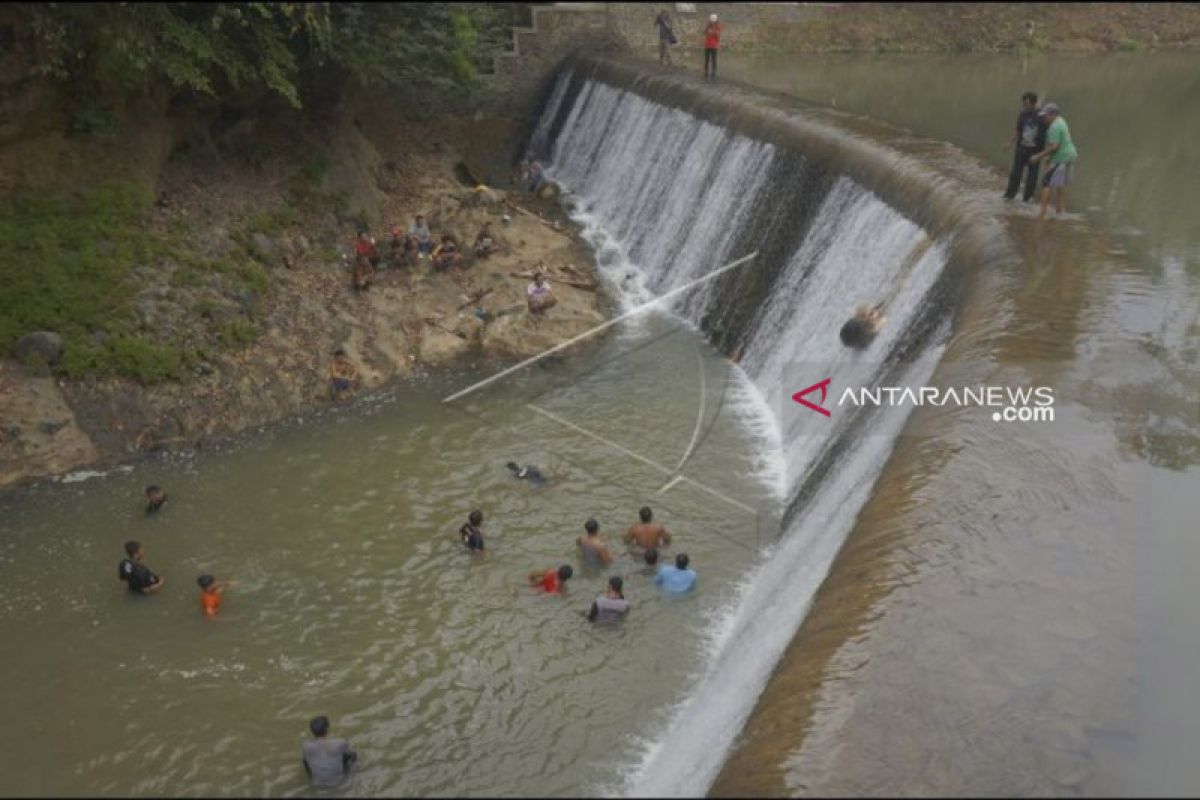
(670, 483)
(699, 418)
(639, 457)
(602, 326)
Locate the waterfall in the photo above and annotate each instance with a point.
(665, 196)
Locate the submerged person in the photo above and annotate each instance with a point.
(155, 498)
(526, 473)
(326, 760)
(612, 605)
(135, 573)
(651, 559)
(861, 329)
(676, 579)
(210, 594)
(647, 534)
(592, 548)
(471, 533)
(551, 581)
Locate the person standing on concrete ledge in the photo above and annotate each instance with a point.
(1062, 154)
(666, 37)
(712, 42)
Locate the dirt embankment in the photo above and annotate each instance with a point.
(254, 290)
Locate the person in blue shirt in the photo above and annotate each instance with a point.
(677, 578)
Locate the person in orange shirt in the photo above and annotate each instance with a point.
(210, 594)
(551, 581)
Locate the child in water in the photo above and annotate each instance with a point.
(210, 594)
(155, 497)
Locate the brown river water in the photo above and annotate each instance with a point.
(1011, 614)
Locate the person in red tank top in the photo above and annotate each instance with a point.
(712, 42)
(551, 581)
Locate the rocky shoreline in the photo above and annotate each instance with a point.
(411, 320)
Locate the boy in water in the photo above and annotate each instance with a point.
(471, 533)
(647, 534)
(676, 579)
(861, 329)
(155, 497)
(612, 605)
(593, 549)
(135, 573)
(551, 581)
(651, 559)
(210, 594)
(526, 473)
(326, 760)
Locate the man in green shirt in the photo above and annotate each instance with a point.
(1061, 152)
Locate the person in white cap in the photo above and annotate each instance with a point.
(1062, 154)
(712, 41)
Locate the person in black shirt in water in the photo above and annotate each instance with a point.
(1028, 138)
(526, 473)
(135, 573)
(471, 533)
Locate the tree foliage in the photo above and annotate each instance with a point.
(216, 49)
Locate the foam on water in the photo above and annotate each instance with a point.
(666, 197)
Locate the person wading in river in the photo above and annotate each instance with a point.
(1028, 138)
(326, 760)
(591, 547)
(1062, 154)
(646, 534)
(139, 577)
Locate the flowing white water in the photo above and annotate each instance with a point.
(665, 197)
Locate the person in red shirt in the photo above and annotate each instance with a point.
(551, 581)
(712, 42)
(365, 258)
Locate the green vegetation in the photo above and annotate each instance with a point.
(217, 50)
(68, 263)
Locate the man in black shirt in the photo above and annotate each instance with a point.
(135, 573)
(471, 533)
(1028, 138)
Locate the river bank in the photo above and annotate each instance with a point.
(254, 296)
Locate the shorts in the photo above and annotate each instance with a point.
(1059, 175)
(340, 384)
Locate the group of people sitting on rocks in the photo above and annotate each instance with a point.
(408, 247)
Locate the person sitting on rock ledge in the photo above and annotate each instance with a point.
(343, 375)
(446, 255)
(537, 176)
(860, 330)
(365, 257)
(485, 242)
(402, 250)
(419, 230)
(538, 293)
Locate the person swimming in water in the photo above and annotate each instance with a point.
(860, 330)
(210, 594)
(593, 549)
(526, 473)
(647, 534)
(677, 579)
(471, 533)
(155, 497)
(651, 559)
(551, 581)
(612, 605)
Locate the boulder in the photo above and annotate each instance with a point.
(549, 190)
(45, 346)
